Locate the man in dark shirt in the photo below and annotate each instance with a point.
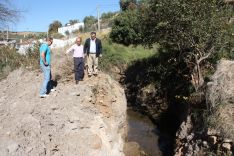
(93, 50)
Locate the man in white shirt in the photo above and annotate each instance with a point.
(78, 55)
(93, 49)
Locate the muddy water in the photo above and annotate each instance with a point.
(143, 132)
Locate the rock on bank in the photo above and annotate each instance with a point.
(88, 119)
(214, 132)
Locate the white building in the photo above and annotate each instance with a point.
(70, 28)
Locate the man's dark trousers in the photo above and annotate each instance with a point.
(79, 68)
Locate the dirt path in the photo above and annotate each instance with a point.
(88, 119)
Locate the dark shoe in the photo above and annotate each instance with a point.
(89, 75)
(95, 75)
(77, 82)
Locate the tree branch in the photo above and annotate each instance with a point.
(206, 56)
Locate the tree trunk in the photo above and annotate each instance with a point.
(197, 78)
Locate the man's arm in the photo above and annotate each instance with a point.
(43, 54)
(44, 58)
(69, 50)
(85, 46)
(100, 48)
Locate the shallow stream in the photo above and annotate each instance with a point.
(143, 132)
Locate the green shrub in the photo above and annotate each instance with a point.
(11, 60)
(199, 30)
(90, 23)
(32, 57)
(126, 29)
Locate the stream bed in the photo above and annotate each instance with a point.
(142, 132)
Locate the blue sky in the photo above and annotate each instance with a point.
(38, 14)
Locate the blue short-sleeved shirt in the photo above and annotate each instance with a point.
(45, 48)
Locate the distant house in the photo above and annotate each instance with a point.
(70, 28)
(10, 43)
(23, 47)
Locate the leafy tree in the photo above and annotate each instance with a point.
(89, 22)
(73, 21)
(108, 15)
(128, 4)
(53, 27)
(126, 28)
(197, 29)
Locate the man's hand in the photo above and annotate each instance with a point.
(44, 59)
(45, 63)
(100, 55)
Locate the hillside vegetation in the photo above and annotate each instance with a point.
(11, 60)
(171, 86)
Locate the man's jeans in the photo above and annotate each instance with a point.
(47, 76)
(79, 68)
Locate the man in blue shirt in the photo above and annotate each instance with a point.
(45, 65)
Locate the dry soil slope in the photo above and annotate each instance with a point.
(88, 119)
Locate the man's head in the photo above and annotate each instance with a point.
(49, 40)
(93, 35)
(78, 40)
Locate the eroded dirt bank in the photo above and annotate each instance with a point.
(88, 119)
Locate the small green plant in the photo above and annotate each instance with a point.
(32, 57)
(116, 55)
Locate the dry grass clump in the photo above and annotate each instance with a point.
(221, 89)
(220, 97)
(62, 65)
(223, 120)
(11, 60)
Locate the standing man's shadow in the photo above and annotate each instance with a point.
(53, 84)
